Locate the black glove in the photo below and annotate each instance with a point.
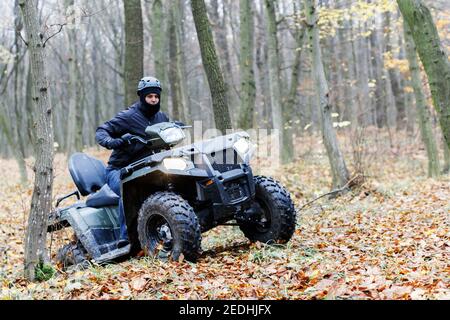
(179, 123)
(115, 143)
(127, 137)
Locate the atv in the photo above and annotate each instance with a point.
(170, 198)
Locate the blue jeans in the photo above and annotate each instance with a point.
(113, 181)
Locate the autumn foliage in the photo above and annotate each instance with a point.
(386, 239)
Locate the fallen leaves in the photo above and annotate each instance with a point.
(390, 239)
(139, 283)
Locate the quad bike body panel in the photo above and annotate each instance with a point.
(96, 228)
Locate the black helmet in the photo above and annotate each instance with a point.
(149, 82)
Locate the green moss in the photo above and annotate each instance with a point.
(44, 272)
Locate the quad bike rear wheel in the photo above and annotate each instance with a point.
(274, 216)
(72, 254)
(168, 226)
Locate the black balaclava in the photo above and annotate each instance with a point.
(147, 109)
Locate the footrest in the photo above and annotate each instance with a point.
(111, 255)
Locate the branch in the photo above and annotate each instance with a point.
(20, 36)
(308, 25)
(281, 20)
(331, 192)
(60, 28)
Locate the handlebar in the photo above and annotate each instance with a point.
(137, 138)
(149, 142)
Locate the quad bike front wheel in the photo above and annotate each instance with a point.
(168, 226)
(273, 213)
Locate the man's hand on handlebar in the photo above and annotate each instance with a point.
(181, 125)
(127, 138)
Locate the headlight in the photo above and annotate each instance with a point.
(172, 135)
(175, 163)
(242, 146)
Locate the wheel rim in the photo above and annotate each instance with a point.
(159, 234)
(264, 219)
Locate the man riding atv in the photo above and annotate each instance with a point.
(116, 133)
(169, 194)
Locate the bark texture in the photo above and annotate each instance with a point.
(159, 36)
(175, 76)
(248, 89)
(274, 68)
(433, 56)
(338, 167)
(211, 64)
(35, 244)
(289, 109)
(421, 105)
(134, 48)
(73, 137)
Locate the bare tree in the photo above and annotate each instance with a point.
(134, 48)
(74, 139)
(35, 244)
(274, 69)
(338, 167)
(433, 56)
(211, 64)
(421, 105)
(248, 89)
(289, 108)
(175, 67)
(159, 42)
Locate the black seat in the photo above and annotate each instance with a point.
(103, 197)
(87, 173)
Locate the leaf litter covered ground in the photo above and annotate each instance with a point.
(387, 239)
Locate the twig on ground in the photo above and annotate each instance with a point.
(331, 192)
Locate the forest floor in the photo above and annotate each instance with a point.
(388, 238)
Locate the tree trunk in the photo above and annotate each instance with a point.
(248, 89)
(72, 143)
(362, 70)
(134, 48)
(380, 106)
(30, 111)
(396, 83)
(17, 89)
(211, 64)
(274, 71)
(338, 168)
(35, 244)
(351, 101)
(181, 36)
(263, 117)
(288, 111)
(98, 95)
(433, 56)
(421, 105)
(175, 67)
(408, 96)
(220, 31)
(446, 168)
(159, 35)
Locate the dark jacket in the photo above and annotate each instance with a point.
(133, 120)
